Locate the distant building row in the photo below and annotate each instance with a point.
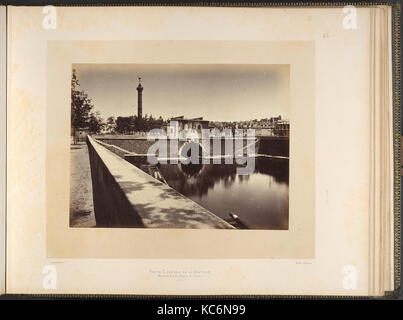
(274, 126)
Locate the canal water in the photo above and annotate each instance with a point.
(260, 199)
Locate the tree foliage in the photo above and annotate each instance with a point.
(131, 124)
(95, 123)
(125, 125)
(82, 114)
(111, 124)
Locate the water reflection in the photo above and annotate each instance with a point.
(259, 199)
(191, 170)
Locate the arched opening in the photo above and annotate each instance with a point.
(191, 152)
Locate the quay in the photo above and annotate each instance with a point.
(125, 196)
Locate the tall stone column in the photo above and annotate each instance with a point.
(140, 100)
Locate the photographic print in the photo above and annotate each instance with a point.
(199, 146)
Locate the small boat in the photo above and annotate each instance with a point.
(236, 222)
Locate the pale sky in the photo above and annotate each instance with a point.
(215, 92)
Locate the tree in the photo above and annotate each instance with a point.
(131, 124)
(95, 123)
(149, 123)
(82, 115)
(111, 124)
(125, 124)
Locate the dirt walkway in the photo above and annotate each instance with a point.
(81, 203)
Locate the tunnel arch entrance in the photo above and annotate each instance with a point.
(191, 153)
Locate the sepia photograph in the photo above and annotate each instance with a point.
(197, 146)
